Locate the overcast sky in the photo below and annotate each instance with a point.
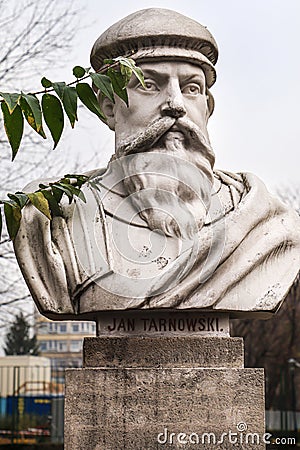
(255, 126)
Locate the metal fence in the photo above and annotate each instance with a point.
(31, 404)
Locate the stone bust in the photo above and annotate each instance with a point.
(162, 229)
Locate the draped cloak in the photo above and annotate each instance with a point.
(101, 255)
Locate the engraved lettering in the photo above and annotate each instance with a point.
(181, 325)
(130, 324)
(121, 326)
(202, 324)
(145, 323)
(210, 325)
(112, 328)
(191, 324)
(172, 324)
(162, 325)
(153, 325)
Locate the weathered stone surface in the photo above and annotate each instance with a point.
(169, 351)
(139, 393)
(114, 409)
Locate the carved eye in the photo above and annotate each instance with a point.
(150, 86)
(192, 89)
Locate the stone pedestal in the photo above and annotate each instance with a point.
(142, 392)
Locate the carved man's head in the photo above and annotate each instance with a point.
(162, 135)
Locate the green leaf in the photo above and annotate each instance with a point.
(64, 189)
(83, 178)
(74, 190)
(54, 116)
(139, 74)
(13, 216)
(46, 83)
(57, 193)
(109, 61)
(80, 179)
(94, 185)
(19, 197)
(70, 104)
(40, 202)
(78, 71)
(14, 125)
(53, 204)
(31, 108)
(68, 96)
(89, 99)
(81, 196)
(103, 83)
(118, 83)
(130, 63)
(59, 88)
(126, 72)
(11, 100)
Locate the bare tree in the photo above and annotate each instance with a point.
(33, 35)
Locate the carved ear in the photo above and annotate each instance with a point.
(108, 108)
(210, 103)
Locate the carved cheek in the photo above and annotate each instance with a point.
(197, 110)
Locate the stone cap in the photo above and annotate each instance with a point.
(156, 33)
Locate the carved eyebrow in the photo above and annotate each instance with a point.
(151, 71)
(194, 78)
(155, 73)
(164, 76)
(158, 74)
(148, 73)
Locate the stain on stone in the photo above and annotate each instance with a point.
(161, 262)
(146, 251)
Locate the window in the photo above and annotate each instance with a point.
(61, 346)
(63, 328)
(52, 327)
(83, 327)
(76, 346)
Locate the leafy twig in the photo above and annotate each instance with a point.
(110, 80)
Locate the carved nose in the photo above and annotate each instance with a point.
(173, 108)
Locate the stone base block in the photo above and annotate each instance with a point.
(160, 408)
(166, 351)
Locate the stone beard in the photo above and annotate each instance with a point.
(168, 173)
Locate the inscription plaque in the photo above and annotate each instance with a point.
(162, 323)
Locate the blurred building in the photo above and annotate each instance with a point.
(61, 341)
